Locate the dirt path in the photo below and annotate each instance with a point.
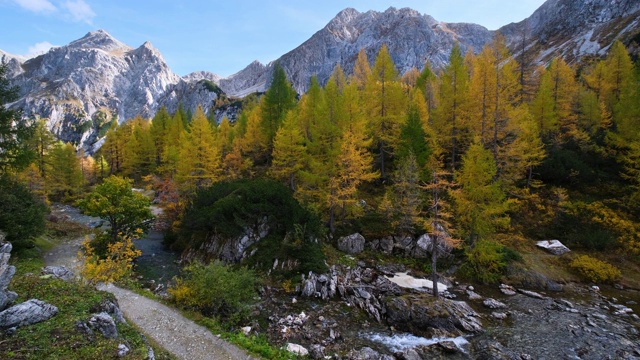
(178, 335)
(175, 333)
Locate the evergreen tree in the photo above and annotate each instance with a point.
(277, 101)
(159, 128)
(14, 132)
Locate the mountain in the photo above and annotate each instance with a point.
(81, 87)
(412, 39)
(571, 28)
(575, 29)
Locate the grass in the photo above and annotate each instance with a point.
(58, 337)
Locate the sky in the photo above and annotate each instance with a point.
(222, 37)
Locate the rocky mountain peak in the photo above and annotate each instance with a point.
(99, 39)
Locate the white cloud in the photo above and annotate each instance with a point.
(39, 49)
(79, 10)
(36, 5)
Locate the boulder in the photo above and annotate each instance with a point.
(424, 315)
(297, 349)
(58, 272)
(111, 308)
(29, 312)
(493, 304)
(555, 247)
(367, 353)
(352, 244)
(122, 350)
(104, 323)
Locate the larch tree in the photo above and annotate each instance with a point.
(200, 160)
(480, 203)
(64, 177)
(288, 152)
(385, 106)
(453, 95)
(361, 70)
(41, 144)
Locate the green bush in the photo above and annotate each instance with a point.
(216, 290)
(227, 209)
(595, 270)
(22, 214)
(488, 260)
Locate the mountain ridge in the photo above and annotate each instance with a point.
(82, 86)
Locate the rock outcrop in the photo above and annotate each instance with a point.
(26, 313)
(6, 274)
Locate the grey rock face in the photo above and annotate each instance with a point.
(352, 244)
(6, 274)
(27, 313)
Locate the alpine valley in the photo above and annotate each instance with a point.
(83, 86)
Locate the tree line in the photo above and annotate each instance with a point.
(483, 146)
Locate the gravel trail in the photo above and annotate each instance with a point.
(178, 335)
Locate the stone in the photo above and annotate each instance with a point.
(507, 289)
(499, 315)
(246, 330)
(473, 295)
(367, 353)
(554, 247)
(297, 349)
(111, 308)
(58, 272)
(122, 350)
(29, 312)
(352, 244)
(532, 294)
(105, 324)
(316, 351)
(493, 304)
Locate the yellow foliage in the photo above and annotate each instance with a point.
(115, 266)
(181, 293)
(595, 270)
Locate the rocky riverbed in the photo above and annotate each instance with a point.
(470, 323)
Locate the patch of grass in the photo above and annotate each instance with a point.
(58, 337)
(254, 344)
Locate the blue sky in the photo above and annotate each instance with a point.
(218, 36)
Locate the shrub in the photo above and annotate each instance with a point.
(595, 270)
(116, 265)
(488, 260)
(216, 289)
